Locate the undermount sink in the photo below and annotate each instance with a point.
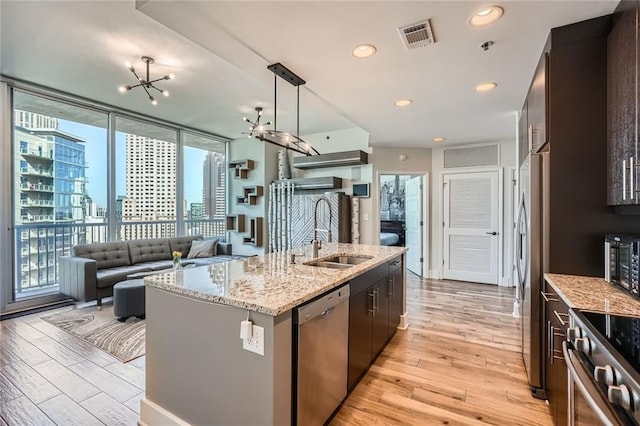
(339, 262)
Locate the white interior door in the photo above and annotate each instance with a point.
(414, 224)
(471, 221)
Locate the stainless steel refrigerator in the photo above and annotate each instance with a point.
(530, 256)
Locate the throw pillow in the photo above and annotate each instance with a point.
(202, 248)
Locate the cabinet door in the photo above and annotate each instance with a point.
(523, 135)
(621, 106)
(359, 334)
(537, 105)
(556, 386)
(396, 290)
(380, 328)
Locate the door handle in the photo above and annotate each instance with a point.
(491, 233)
(624, 180)
(631, 191)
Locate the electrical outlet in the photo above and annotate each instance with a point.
(255, 343)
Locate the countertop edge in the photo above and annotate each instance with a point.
(151, 280)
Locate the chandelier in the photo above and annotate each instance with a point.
(146, 83)
(282, 139)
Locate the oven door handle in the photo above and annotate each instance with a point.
(581, 378)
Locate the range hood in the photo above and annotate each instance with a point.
(333, 159)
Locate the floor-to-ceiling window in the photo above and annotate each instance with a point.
(146, 180)
(83, 172)
(204, 189)
(59, 187)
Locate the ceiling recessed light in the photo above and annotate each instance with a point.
(485, 87)
(403, 102)
(364, 50)
(486, 16)
(438, 139)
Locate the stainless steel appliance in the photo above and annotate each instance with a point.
(621, 257)
(322, 341)
(602, 353)
(534, 177)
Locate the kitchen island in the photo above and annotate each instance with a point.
(197, 371)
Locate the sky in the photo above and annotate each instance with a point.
(96, 172)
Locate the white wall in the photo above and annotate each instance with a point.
(507, 161)
(265, 157)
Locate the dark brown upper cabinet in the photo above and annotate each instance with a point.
(537, 105)
(622, 107)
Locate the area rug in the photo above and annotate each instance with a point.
(123, 340)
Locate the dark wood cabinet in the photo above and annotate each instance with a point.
(380, 317)
(359, 335)
(523, 134)
(396, 286)
(375, 307)
(537, 106)
(622, 106)
(556, 321)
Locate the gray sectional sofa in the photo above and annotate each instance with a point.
(93, 269)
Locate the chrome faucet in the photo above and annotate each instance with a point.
(315, 244)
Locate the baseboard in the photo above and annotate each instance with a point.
(152, 414)
(404, 321)
(434, 274)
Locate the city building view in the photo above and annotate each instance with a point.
(55, 208)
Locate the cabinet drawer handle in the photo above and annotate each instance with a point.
(631, 177)
(372, 295)
(624, 180)
(548, 297)
(559, 318)
(394, 263)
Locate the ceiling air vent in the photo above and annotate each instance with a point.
(417, 35)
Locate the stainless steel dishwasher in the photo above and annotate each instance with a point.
(322, 341)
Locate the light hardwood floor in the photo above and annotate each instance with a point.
(458, 363)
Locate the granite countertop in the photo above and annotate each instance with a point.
(590, 293)
(270, 284)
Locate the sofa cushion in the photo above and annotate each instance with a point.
(106, 255)
(204, 248)
(112, 276)
(149, 250)
(183, 244)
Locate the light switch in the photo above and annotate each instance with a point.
(365, 216)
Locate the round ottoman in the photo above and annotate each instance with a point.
(128, 299)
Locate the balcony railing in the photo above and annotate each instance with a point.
(36, 153)
(36, 187)
(57, 239)
(34, 171)
(36, 203)
(37, 218)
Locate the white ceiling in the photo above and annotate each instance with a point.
(219, 51)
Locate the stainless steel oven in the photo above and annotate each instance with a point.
(622, 266)
(602, 352)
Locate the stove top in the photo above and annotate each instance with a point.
(622, 333)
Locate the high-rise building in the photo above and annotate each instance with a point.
(213, 188)
(196, 211)
(50, 189)
(150, 169)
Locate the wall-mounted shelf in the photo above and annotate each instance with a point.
(241, 168)
(327, 182)
(250, 195)
(236, 223)
(255, 232)
(332, 159)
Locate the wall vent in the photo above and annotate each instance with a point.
(475, 156)
(417, 35)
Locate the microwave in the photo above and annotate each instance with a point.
(622, 264)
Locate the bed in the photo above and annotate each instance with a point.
(391, 233)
